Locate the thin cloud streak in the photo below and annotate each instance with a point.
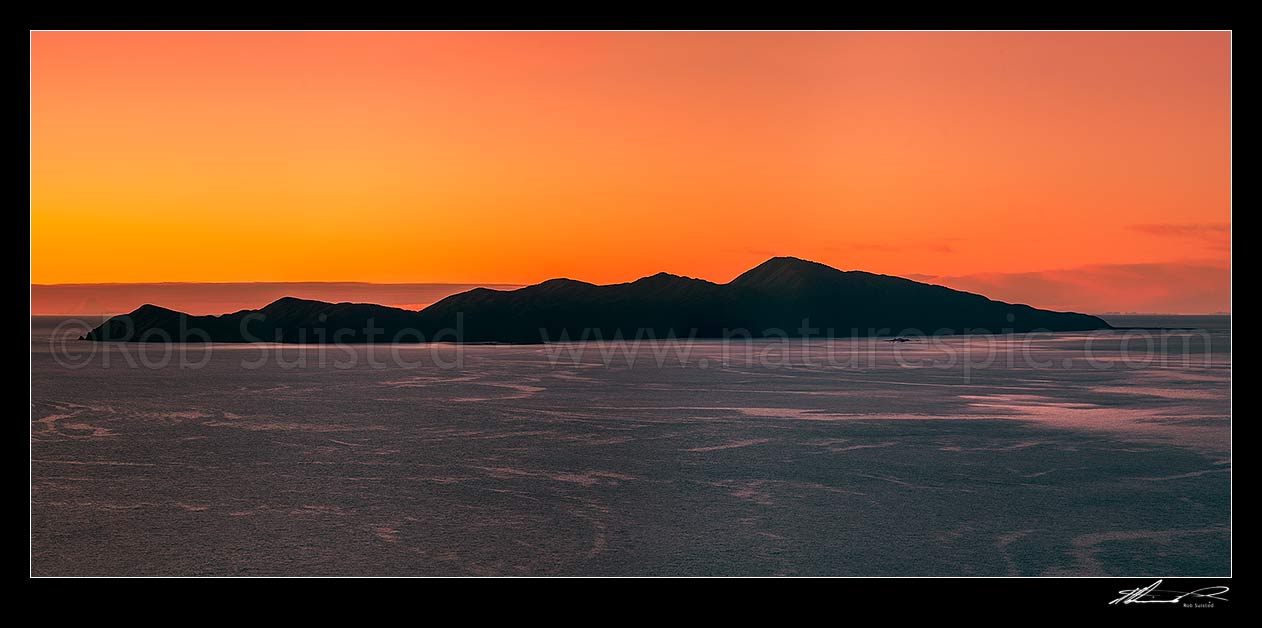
(1202, 230)
(1215, 236)
(1194, 287)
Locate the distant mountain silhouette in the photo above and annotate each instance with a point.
(774, 299)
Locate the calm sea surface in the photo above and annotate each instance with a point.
(1062, 454)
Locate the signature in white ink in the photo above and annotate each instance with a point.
(1152, 595)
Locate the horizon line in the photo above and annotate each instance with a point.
(400, 308)
(324, 281)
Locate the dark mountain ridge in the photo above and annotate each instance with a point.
(782, 297)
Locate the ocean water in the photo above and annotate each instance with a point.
(1061, 454)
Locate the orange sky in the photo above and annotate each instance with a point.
(516, 157)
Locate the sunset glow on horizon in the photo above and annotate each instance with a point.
(1087, 171)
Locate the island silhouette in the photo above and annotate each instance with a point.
(782, 297)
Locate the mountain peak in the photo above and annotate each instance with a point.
(561, 282)
(784, 271)
(662, 277)
(558, 285)
(289, 303)
(666, 283)
(786, 261)
(151, 309)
